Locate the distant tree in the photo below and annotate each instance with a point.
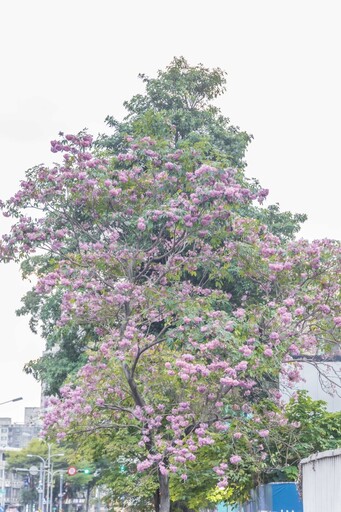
(37, 447)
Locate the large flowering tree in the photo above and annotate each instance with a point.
(176, 108)
(146, 247)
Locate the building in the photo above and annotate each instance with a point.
(11, 483)
(4, 431)
(13, 437)
(18, 435)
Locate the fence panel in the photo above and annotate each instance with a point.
(321, 482)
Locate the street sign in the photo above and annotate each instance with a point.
(33, 470)
(72, 470)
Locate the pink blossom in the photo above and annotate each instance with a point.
(289, 302)
(163, 470)
(141, 224)
(268, 352)
(242, 366)
(235, 459)
(246, 351)
(294, 350)
(277, 267)
(184, 376)
(325, 308)
(286, 318)
(222, 484)
(337, 321)
(145, 464)
(237, 435)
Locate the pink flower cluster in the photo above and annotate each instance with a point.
(142, 245)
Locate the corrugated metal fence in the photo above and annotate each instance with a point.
(321, 482)
(272, 497)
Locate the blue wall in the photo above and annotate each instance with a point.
(274, 497)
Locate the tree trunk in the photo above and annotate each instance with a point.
(164, 505)
(156, 500)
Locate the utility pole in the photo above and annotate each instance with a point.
(42, 481)
(60, 491)
(60, 495)
(47, 477)
(41, 486)
(87, 503)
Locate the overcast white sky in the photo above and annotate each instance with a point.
(65, 65)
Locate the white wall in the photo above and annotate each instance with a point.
(321, 478)
(318, 386)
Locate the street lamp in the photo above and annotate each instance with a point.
(13, 400)
(47, 469)
(41, 480)
(60, 495)
(50, 476)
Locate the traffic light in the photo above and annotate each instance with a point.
(86, 471)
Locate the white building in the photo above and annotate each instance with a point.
(10, 483)
(18, 435)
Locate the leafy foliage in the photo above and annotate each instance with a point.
(156, 266)
(178, 105)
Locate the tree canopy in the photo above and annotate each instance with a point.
(157, 269)
(178, 106)
(142, 246)
(178, 100)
